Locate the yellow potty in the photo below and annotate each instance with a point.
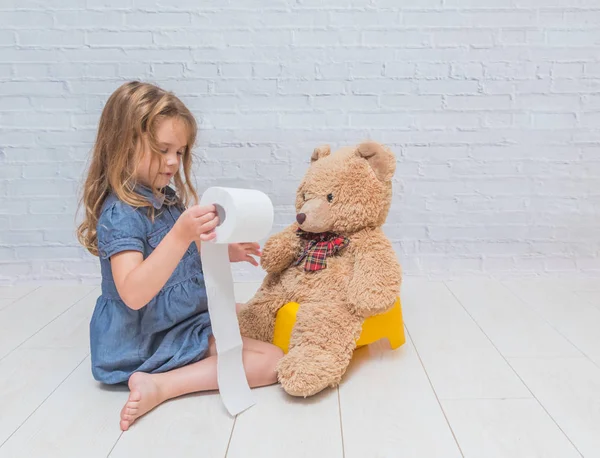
(386, 325)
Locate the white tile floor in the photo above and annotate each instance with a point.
(490, 369)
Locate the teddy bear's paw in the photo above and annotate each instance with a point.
(306, 371)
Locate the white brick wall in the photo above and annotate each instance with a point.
(493, 107)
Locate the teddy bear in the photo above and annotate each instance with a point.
(334, 260)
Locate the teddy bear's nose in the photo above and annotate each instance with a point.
(301, 217)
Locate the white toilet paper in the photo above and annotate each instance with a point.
(245, 216)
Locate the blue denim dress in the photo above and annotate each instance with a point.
(173, 329)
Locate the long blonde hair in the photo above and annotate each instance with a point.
(131, 114)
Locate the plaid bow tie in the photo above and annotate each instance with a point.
(318, 247)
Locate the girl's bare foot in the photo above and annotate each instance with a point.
(149, 390)
(144, 395)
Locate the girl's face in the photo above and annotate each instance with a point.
(172, 141)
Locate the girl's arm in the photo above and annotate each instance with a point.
(138, 280)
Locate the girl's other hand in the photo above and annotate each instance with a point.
(239, 252)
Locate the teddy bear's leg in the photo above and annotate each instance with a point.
(322, 344)
(257, 317)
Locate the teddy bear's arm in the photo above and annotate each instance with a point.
(376, 279)
(281, 250)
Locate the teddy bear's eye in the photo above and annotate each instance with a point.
(329, 197)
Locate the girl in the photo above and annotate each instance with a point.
(151, 326)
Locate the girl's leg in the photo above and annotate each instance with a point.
(149, 390)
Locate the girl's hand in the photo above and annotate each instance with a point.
(197, 222)
(239, 252)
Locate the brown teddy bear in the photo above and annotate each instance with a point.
(335, 261)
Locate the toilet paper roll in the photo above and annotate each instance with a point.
(245, 215)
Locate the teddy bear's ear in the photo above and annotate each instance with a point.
(320, 152)
(381, 159)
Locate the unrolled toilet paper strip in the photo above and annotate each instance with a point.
(245, 216)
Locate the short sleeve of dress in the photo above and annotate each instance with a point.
(120, 228)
